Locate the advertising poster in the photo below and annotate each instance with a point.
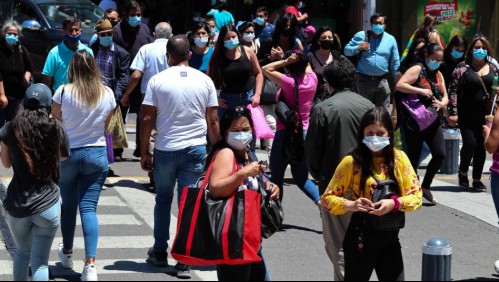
(456, 17)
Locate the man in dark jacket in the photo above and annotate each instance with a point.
(132, 34)
(332, 134)
(114, 64)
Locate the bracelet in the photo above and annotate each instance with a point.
(394, 117)
(397, 204)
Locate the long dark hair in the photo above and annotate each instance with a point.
(317, 36)
(412, 56)
(38, 136)
(456, 41)
(228, 117)
(281, 25)
(362, 154)
(216, 57)
(426, 27)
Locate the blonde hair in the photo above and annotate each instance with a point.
(85, 79)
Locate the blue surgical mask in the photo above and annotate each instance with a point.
(72, 39)
(231, 44)
(434, 65)
(378, 29)
(375, 143)
(456, 54)
(248, 37)
(201, 41)
(480, 54)
(260, 21)
(213, 32)
(12, 39)
(134, 21)
(106, 41)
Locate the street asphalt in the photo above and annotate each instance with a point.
(467, 220)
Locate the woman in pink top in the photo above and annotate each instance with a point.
(297, 68)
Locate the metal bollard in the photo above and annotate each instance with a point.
(437, 260)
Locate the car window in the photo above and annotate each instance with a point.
(56, 13)
(23, 12)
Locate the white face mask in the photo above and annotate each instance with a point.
(201, 41)
(239, 140)
(248, 37)
(375, 143)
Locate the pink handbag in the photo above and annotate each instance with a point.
(261, 127)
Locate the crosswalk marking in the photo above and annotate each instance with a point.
(108, 267)
(109, 242)
(6, 267)
(111, 201)
(114, 219)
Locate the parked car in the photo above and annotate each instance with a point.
(42, 23)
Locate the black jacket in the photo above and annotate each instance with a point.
(121, 69)
(332, 133)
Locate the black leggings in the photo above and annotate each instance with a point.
(381, 251)
(473, 148)
(434, 137)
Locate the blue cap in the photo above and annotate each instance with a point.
(38, 96)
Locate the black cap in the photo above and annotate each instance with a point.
(38, 96)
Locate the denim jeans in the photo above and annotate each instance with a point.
(494, 183)
(300, 172)
(82, 176)
(233, 100)
(34, 236)
(247, 272)
(184, 167)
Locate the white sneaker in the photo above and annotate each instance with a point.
(66, 259)
(89, 273)
(496, 266)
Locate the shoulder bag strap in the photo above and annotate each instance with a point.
(296, 95)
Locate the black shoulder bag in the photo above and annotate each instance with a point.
(391, 221)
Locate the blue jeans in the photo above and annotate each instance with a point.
(82, 176)
(300, 172)
(233, 100)
(494, 183)
(257, 271)
(185, 167)
(34, 236)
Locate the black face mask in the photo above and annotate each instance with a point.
(327, 44)
(286, 32)
(114, 23)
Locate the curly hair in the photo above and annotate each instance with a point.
(340, 74)
(39, 138)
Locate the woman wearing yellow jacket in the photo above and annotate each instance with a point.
(371, 242)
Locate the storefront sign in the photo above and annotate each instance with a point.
(456, 17)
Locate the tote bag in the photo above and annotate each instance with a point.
(213, 232)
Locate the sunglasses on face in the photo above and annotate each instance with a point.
(106, 34)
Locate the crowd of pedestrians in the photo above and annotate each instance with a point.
(193, 93)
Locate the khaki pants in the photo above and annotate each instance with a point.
(334, 229)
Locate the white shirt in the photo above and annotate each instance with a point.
(107, 4)
(181, 95)
(85, 127)
(150, 61)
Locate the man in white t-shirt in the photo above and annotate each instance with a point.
(181, 103)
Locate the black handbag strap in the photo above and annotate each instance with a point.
(283, 98)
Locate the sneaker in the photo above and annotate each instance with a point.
(66, 260)
(89, 273)
(479, 186)
(183, 271)
(157, 258)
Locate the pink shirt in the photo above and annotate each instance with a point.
(306, 92)
(495, 165)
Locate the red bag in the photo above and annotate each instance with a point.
(213, 232)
